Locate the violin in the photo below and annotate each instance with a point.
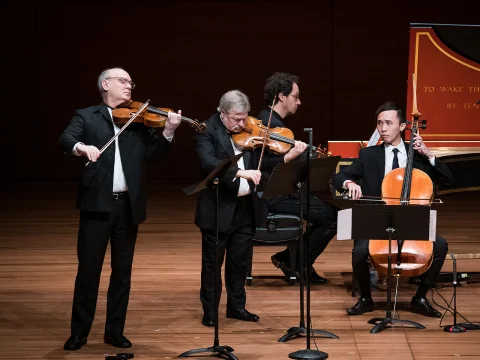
(150, 116)
(278, 140)
(134, 111)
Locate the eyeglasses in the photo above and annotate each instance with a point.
(296, 96)
(123, 81)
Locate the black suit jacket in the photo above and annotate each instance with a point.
(369, 170)
(212, 147)
(93, 126)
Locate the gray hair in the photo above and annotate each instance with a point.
(234, 100)
(103, 76)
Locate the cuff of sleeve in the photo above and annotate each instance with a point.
(169, 138)
(345, 183)
(432, 160)
(74, 150)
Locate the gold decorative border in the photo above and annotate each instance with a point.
(417, 50)
(439, 48)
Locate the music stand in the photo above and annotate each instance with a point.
(212, 180)
(401, 223)
(286, 179)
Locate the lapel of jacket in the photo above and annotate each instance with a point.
(246, 160)
(381, 162)
(223, 137)
(106, 115)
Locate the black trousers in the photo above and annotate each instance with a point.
(323, 219)
(95, 231)
(235, 242)
(362, 275)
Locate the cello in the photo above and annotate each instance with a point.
(405, 186)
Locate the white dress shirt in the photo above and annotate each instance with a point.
(119, 181)
(244, 188)
(401, 155)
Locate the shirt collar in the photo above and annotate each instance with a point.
(401, 148)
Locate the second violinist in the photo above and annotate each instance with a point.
(239, 207)
(323, 216)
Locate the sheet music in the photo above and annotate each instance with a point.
(432, 232)
(344, 224)
(374, 138)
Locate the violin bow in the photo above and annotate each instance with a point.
(345, 196)
(265, 137)
(144, 106)
(266, 133)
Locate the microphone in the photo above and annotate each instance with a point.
(310, 140)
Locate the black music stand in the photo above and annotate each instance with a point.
(401, 223)
(286, 179)
(212, 180)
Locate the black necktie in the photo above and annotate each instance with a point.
(395, 159)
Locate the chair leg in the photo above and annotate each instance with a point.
(293, 261)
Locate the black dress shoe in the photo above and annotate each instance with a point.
(422, 306)
(275, 261)
(317, 279)
(242, 314)
(208, 319)
(284, 266)
(314, 279)
(119, 341)
(363, 305)
(75, 342)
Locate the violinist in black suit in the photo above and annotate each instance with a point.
(323, 216)
(369, 170)
(112, 202)
(240, 208)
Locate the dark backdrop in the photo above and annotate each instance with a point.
(350, 57)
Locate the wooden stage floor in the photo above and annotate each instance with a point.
(38, 227)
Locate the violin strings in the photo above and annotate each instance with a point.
(283, 138)
(279, 137)
(161, 112)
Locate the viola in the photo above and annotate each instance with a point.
(278, 140)
(150, 116)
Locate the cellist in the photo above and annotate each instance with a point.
(364, 178)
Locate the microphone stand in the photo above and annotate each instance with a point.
(454, 328)
(308, 353)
